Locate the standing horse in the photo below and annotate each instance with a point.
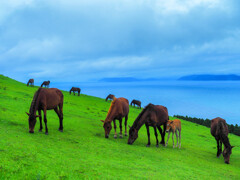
(119, 108)
(31, 82)
(45, 99)
(151, 115)
(111, 97)
(136, 102)
(75, 89)
(219, 130)
(45, 83)
(174, 127)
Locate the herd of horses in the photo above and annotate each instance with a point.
(151, 116)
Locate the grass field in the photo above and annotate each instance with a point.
(82, 152)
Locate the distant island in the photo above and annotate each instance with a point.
(126, 79)
(210, 77)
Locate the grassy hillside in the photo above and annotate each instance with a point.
(81, 151)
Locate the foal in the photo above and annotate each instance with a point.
(174, 126)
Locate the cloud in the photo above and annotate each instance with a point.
(101, 38)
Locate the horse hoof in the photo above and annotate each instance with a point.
(40, 130)
(115, 137)
(46, 133)
(148, 145)
(126, 134)
(121, 136)
(60, 130)
(157, 145)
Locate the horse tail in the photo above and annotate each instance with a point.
(42, 84)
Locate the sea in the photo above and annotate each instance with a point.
(201, 99)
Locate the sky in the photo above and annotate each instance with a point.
(83, 40)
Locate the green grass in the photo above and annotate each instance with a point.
(82, 152)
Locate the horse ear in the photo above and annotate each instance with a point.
(102, 121)
(129, 127)
(27, 113)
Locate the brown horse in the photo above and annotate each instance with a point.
(119, 108)
(151, 115)
(219, 130)
(136, 102)
(31, 82)
(75, 89)
(45, 99)
(174, 127)
(45, 83)
(111, 97)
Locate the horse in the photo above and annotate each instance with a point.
(73, 89)
(119, 109)
(174, 126)
(151, 115)
(111, 97)
(45, 99)
(219, 131)
(45, 83)
(136, 102)
(31, 82)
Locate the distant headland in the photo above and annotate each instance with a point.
(210, 77)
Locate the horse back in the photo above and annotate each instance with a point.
(218, 127)
(50, 98)
(158, 116)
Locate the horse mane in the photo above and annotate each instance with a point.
(222, 133)
(34, 101)
(150, 107)
(110, 109)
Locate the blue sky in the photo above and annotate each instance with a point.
(81, 40)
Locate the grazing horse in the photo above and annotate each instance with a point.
(111, 97)
(31, 82)
(219, 130)
(45, 83)
(119, 108)
(45, 99)
(174, 126)
(136, 102)
(75, 89)
(151, 115)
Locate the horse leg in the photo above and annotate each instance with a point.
(125, 123)
(156, 135)
(60, 118)
(40, 119)
(167, 139)
(179, 138)
(115, 128)
(163, 135)
(78, 93)
(120, 124)
(74, 93)
(173, 138)
(176, 137)
(148, 144)
(218, 148)
(45, 121)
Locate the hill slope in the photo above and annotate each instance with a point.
(81, 151)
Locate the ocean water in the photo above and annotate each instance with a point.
(202, 99)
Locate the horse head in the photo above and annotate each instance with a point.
(107, 127)
(133, 135)
(32, 121)
(226, 154)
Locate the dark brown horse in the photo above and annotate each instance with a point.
(45, 99)
(219, 130)
(111, 97)
(75, 89)
(151, 115)
(45, 83)
(136, 102)
(119, 109)
(30, 82)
